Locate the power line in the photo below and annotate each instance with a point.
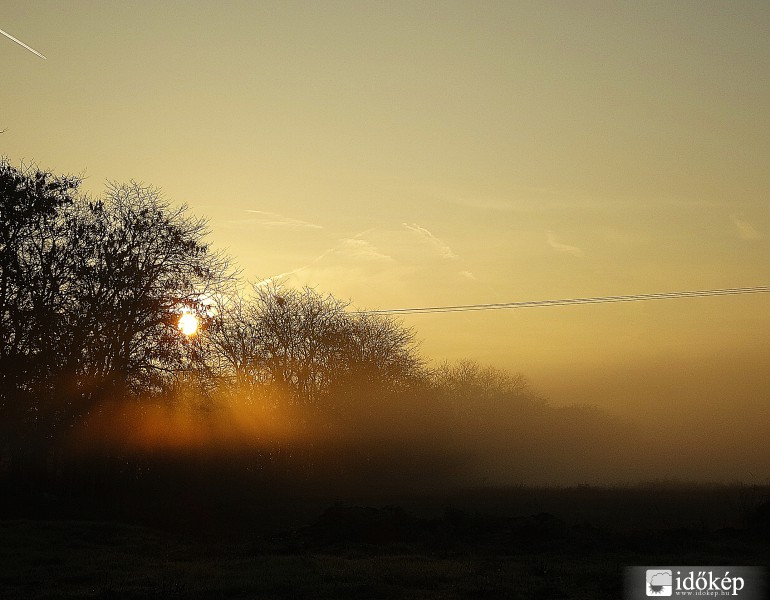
(763, 289)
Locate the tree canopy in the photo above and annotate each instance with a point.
(90, 292)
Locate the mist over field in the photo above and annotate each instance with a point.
(422, 440)
(135, 357)
(368, 157)
(383, 299)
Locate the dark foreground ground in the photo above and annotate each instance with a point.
(513, 543)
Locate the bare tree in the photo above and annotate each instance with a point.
(141, 263)
(90, 296)
(309, 346)
(33, 270)
(476, 394)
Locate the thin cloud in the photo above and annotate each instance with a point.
(361, 249)
(286, 274)
(355, 249)
(275, 221)
(439, 245)
(746, 231)
(270, 280)
(467, 275)
(559, 247)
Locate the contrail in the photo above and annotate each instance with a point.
(10, 37)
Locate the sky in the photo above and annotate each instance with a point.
(402, 154)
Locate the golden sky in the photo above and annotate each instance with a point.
(434, 153)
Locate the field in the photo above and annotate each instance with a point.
(478, 543)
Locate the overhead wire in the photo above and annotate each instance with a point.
(762, 289)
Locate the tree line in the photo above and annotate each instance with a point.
(91, 293)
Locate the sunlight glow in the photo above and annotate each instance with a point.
(188, 324)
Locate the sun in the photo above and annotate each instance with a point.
(188, 324)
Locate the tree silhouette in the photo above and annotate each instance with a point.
(90, 295)
(141, 262)
(32, 273)
(307, 345)
(474, 393)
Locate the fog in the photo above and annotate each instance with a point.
(283, 387)
(679, 422)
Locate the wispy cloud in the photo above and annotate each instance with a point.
(274, 279)
(467, 275)
(273, 220)
(438, 245)
(559, 247)
(746, 231)
(361, 249)
(347, 251)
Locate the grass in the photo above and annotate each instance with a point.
(64, 560)
(460, 554)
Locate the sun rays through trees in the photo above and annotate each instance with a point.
(102, 389)
(309, 346)
(89, 292)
